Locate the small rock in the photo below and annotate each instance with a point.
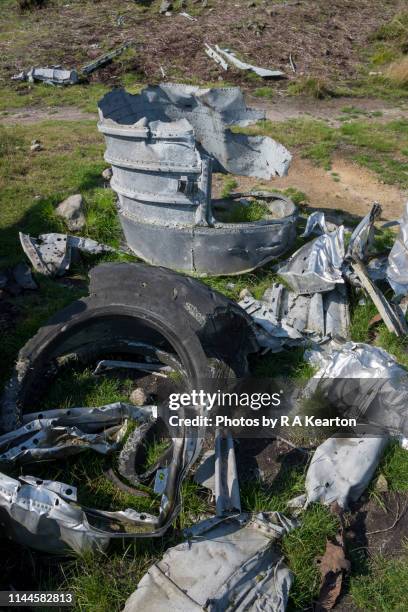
(244, 293)
(71, 210)
(230, 285)
(138, 397)
(22, 276)
(107, 174)
(381, 485)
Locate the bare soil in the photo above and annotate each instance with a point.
(283, 108)
(354, 193)
(29, 115)
(324, 38)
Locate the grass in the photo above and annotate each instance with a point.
(71, 162)
(383, 69)
(312, 87)
(384, 588)
(379, 147)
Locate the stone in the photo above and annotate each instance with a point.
(138, 397)
(71, 210)
(107, 174)
(381, 485)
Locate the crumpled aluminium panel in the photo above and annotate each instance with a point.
(397, 269)
(366, 382)
(51, 254)
(225, 565)
(40, 514)
(341, 469)
(51, 76)
(284, 319)
(362, 236)
(163, 145)
(61, 433)
(316, 266)
(363, 382)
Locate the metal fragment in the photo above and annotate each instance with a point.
(316, 266)
(341, 469)
(240, 568)
(390, 313)
(230, 58)
(163, 145)
(363, 235)
(51, 254)
(397, 269)
(227, 497)
(105, 59)
(52, 76)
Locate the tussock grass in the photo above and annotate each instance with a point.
(398, 72)
(312, 87)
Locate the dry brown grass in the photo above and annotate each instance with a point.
(398, 72)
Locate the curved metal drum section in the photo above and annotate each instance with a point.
(161, 155)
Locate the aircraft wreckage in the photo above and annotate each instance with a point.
(163, 145)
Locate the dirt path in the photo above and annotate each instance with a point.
(330, 110)
(29, 115)
(354, 193)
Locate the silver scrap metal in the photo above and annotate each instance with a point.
(284, 319)
(105, 59)
(391, 314)
(341, 469)
(363, 235)
(317, 265)
(163, 145)
(63, 432)
(40, 514)
(52, 76)
(397, 269)
(51, 254)
(224, 57)
(226, 564)
(363, 382)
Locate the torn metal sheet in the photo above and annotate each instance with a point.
(284, 319)
(316, 266)
(163, 145)
(397, 270)
(315, 224)
(216, 57)
(38, 514)
(105, 59)
(362, 382)
(230, 58)
(391, 313)
(341, 469)
(363, 235)
(51, 254)
(240, 568)
(52, 76)
(227, 497)
(61, 433)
